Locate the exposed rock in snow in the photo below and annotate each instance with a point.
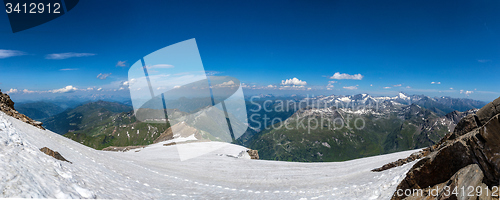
(54, 154)
(254, 154)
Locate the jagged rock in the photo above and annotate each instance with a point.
(54, 154)
(466, 177)
(254, 154)
(478, 146)
(7, 106)
(400, 162)
(465, 125)
(471, 122)
(487, 112)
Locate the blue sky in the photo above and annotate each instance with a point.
(375, 47)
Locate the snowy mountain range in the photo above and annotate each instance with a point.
(441, 105)
(341, 128)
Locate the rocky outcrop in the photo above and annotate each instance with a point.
(7, 106)
(254, 154)
(470, 156)
(471, 175)
(400, 162)
(54, 154)
(473, 121)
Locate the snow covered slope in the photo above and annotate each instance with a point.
(155, 172)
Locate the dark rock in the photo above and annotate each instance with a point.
(455, 153)
(470, 175)
(254, 154)
(465, 125)
(54, 154)
(487, 112)
(7, 106)
(170, 144)
(400, 162)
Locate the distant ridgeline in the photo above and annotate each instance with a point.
(317, 131)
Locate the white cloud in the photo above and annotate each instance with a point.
(26, 91)
(387, 87)
(351, 87)
(340, 76)
(177, 86)
(243, 85)
(466, 92)
(293, 81)
(68, 69)
(436, 83)
(88, 89)
(4, 53)
(398, 85)
(227, 84)
(371, 85)
(60, 56)
(67, 89)
(99, 89)
(103, 76)
(408, 87)
(451, 88)
(121, 64)
(12, 91)
(330, 84)
(271, 86)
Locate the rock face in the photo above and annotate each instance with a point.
(411, 158)
(7, 106)
(54, 154)
(470, 156)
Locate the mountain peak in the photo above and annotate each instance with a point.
(402, 95)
